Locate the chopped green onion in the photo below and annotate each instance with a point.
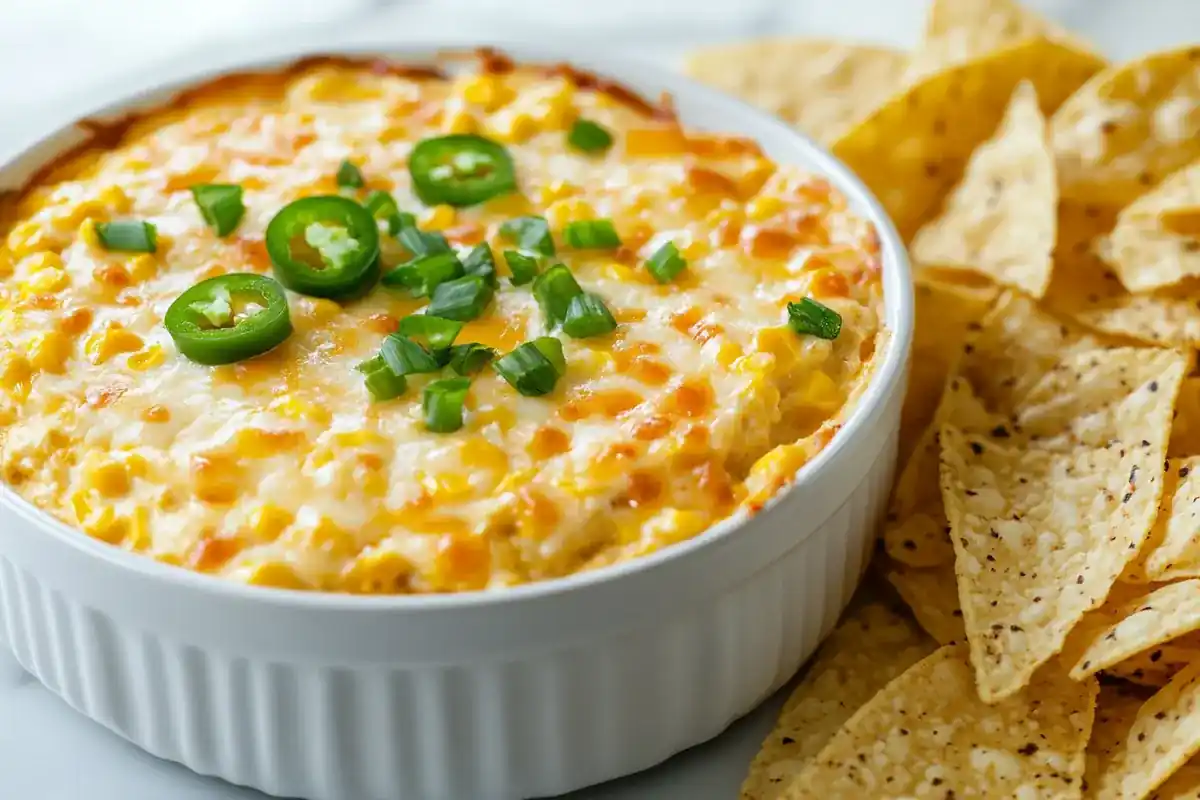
(443, 404)
(523, 266)
(534, 367)
(529, 233)
(588, 316)
(128, 236)
(350, 176)
(481, 262)
(463, 299)
(424, 274)
(383, 208)
(436, 333)
(382, 383)
(221, 205)
(810, 318)
(419, 242)
(467, 359)
(406, 357)
(589, 137)
(554, 290)
(594, 234)
(666, 263)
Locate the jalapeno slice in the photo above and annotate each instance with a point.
(324, 246)
(460, 170)
(229, 318)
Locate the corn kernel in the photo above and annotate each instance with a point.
(81, 504)
(479, 452)
(511, 126)
(821, 391)
(263, 443)
(50, 351)
(16, 372)
(277, 575)
(142, 267)
(460, 121)
(40, 261)
(88, 235)
(109, 478)
(695, 249)
(763, 207)
(557, 109)
(111, 341)
(115, 199)
(296, 408)
(439, 218)
(46, 281)
(781, 342)
(268, 521)
(728, 353)
(382, 571)
(558, 190)
(146, 359)
(488, 91)
(107, 526)
(570, 210)
(139, 538)
(26, 238)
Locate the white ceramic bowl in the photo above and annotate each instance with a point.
(525, 692)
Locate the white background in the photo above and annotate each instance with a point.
(56, 52)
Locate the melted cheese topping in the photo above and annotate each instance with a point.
(280, 471)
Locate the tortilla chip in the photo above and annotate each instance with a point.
(1185, 430)
(1085, 288)
(1150, 247)
(871, 646)
(822, 87)
(1000, 219)
(916, 532)
(912, 150)
(1128, 128)
(1050, 498)
(944, 313)
(1160, 616)
(933, 597)
(959, 30)
(1172, 550)
(929, 729)
(1155, 667)
(1137, 746)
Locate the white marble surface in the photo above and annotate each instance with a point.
(56, 52)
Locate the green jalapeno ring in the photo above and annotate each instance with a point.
(341, 235)
(203, 321)
(460, 170)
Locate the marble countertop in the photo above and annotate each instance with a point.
(58, 52)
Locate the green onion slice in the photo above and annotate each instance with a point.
(534, 367)
(128, 236)
(419, 242)
(350, 176)
(221, 205)
(523, 266)
(383, 208)
(382, 383)
(424, 274)
(588, 136)
(463, 299)
(810, 318)
(406, 357)
(666, 263)
(594, 234)
(529, 233)
(481, 262)
(443, 404)
(588, 316)
(555, 289)
(436, 333)
(467, 359)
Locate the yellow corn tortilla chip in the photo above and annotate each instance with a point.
(1172, 551)
(912, 150)
(916, 532)
(1155, 667)
(820, 86)
(1147, 248)
(999, 221)
(959, 30)
(1128, 128)
(1185, 430)
(1086, 289)
(933, 597)
(1137, 746)
(1050, 498)
(944, 314)
(1162, 615)
(872, 645)
(929, 735)
(1184, 221)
